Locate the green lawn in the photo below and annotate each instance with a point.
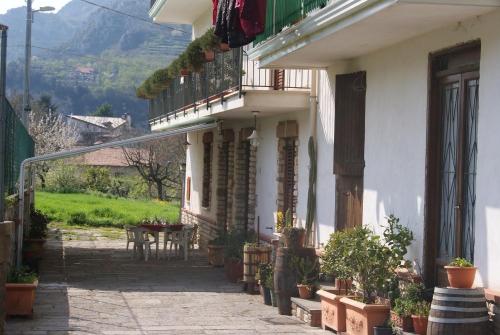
(97, 211)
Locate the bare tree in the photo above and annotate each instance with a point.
(158, 162)
(51, 134)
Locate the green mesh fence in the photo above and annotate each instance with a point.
(284, 13)
(18, 146)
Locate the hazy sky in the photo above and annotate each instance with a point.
(7, 4)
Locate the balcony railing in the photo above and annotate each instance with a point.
(285, 13)
(231, 73)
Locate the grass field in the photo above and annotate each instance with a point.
(97, 211)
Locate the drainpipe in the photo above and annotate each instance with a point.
(3, 116)
(313, 111)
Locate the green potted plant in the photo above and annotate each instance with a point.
(335, 262)
(195, 57)
(307, 271)
(420, 315)
(233, 254)
(373, 263)
(34, 242)
(264, 276)
(209, 42)
(183, 64)
(216, 249)
(461, 273)
(294, 237)
(20, 292)
(161, 78)
(402, 308)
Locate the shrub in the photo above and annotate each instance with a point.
(65, 179)
(119, 187)
(21, 276)
(78, 218)
(97, 179)
(38, 227)
(265, 274)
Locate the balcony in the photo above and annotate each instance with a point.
(315, 34)
(285, 13)
(231, 85)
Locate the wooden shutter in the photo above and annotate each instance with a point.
(349, 144)
(207, 169)
(289, 180)
(188, 189)
(279, 79)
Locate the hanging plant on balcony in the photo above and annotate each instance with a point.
(161, 78)
(209, 42)
(224, 47)
(195, 57)
(183, 65)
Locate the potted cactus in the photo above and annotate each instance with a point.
(294, 237)
(461, 273)
(307, 271)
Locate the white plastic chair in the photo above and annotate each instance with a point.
(130, 235)
(181, 239)
(143, 241)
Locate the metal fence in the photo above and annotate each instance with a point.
(18, 146)
(284, 13)
(230, 73)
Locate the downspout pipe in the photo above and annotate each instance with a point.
(79, 151)
(3, 116)
(313, 117)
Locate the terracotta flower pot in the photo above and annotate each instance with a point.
(403, 322)
(216, 255)
(209, 55)
(184, 72)
(361, 317)
(460, 277)
(305, 291)
(332, 310)
(19, 298)
(233, 269)
(420, 324)
(224, 47)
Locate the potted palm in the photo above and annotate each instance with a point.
(20, 292)
(461, 273)
(420, 317)
(373, 262)
(307, 271)
(216, 249)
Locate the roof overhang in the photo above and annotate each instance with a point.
(348, 29)
(178, 11)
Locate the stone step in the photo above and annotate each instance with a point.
(308, 311)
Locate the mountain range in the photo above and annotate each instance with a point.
(85, 55)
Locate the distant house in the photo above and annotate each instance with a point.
(98, 129)
(112, 158)
(84, 74)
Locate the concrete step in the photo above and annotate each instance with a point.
(308, 311)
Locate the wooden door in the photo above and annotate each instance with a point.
(349, 148)
(451, 194)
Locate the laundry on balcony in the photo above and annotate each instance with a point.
(238, 22)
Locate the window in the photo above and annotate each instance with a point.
(207, 169)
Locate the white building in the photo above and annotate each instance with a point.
(98, 129)
(402, 102)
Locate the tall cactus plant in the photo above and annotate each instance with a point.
(311, 195)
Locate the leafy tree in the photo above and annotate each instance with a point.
(104, 110)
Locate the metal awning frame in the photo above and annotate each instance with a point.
(75, 152)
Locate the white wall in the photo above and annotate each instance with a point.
(202, 24)
(395, 146)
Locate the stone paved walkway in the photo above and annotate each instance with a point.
(94, 287)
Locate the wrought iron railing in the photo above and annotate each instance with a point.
(285, 13)
(230, 73)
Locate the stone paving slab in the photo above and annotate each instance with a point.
(95, 287)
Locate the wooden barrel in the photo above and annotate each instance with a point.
(285, 283)
(458, 312)
(250, 263)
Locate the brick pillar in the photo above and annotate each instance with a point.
(225, 179)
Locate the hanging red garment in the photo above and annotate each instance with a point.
(215, 7)
(252, 14)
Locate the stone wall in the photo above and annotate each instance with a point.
(207, 228)
(7, 235)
